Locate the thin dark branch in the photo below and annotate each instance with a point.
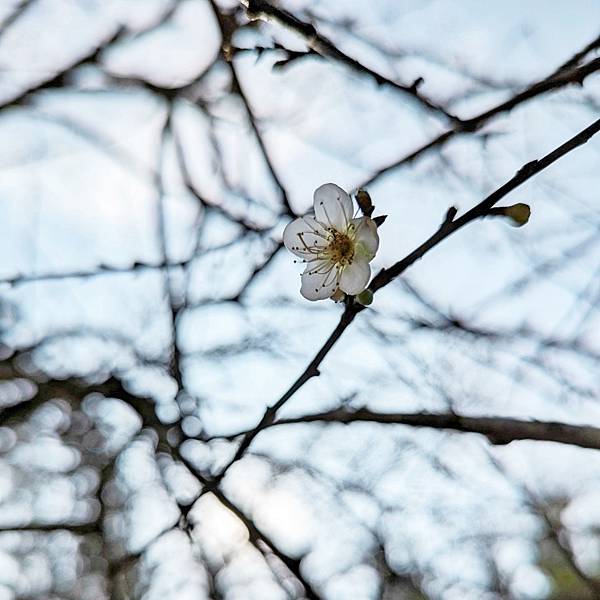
(203, 201)
(557, 80)
(257, 535)
(261, 9)
(97, 272)
(578, 56)
(312, 370)
(257, 271)
(137, 267)
(75, 390)
(175, 305)
(385, 276)
(257, 538)
(481, 210)
(261, 143)
(227, 27)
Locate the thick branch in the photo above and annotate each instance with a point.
(499, 430)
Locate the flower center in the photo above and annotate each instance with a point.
(340, 249)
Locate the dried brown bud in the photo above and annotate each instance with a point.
(364, 202)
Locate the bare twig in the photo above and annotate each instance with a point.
(557, 80)
(228, 26)
(385, 276)
(312, 370)
(480, 210)
(261, 9)
(99, 271)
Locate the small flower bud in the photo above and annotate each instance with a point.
(518, 214)
(365, 297)
(364, 202)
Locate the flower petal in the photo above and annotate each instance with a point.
(319, 280)
(333, 206)
(304, 236)
(355, 277)
(366, 238)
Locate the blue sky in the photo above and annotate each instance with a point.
(81, 187)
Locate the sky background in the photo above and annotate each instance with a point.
(91, 180)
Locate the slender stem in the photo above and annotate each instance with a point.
(262, 9)
(385, 276)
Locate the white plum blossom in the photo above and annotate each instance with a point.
(336, 247)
